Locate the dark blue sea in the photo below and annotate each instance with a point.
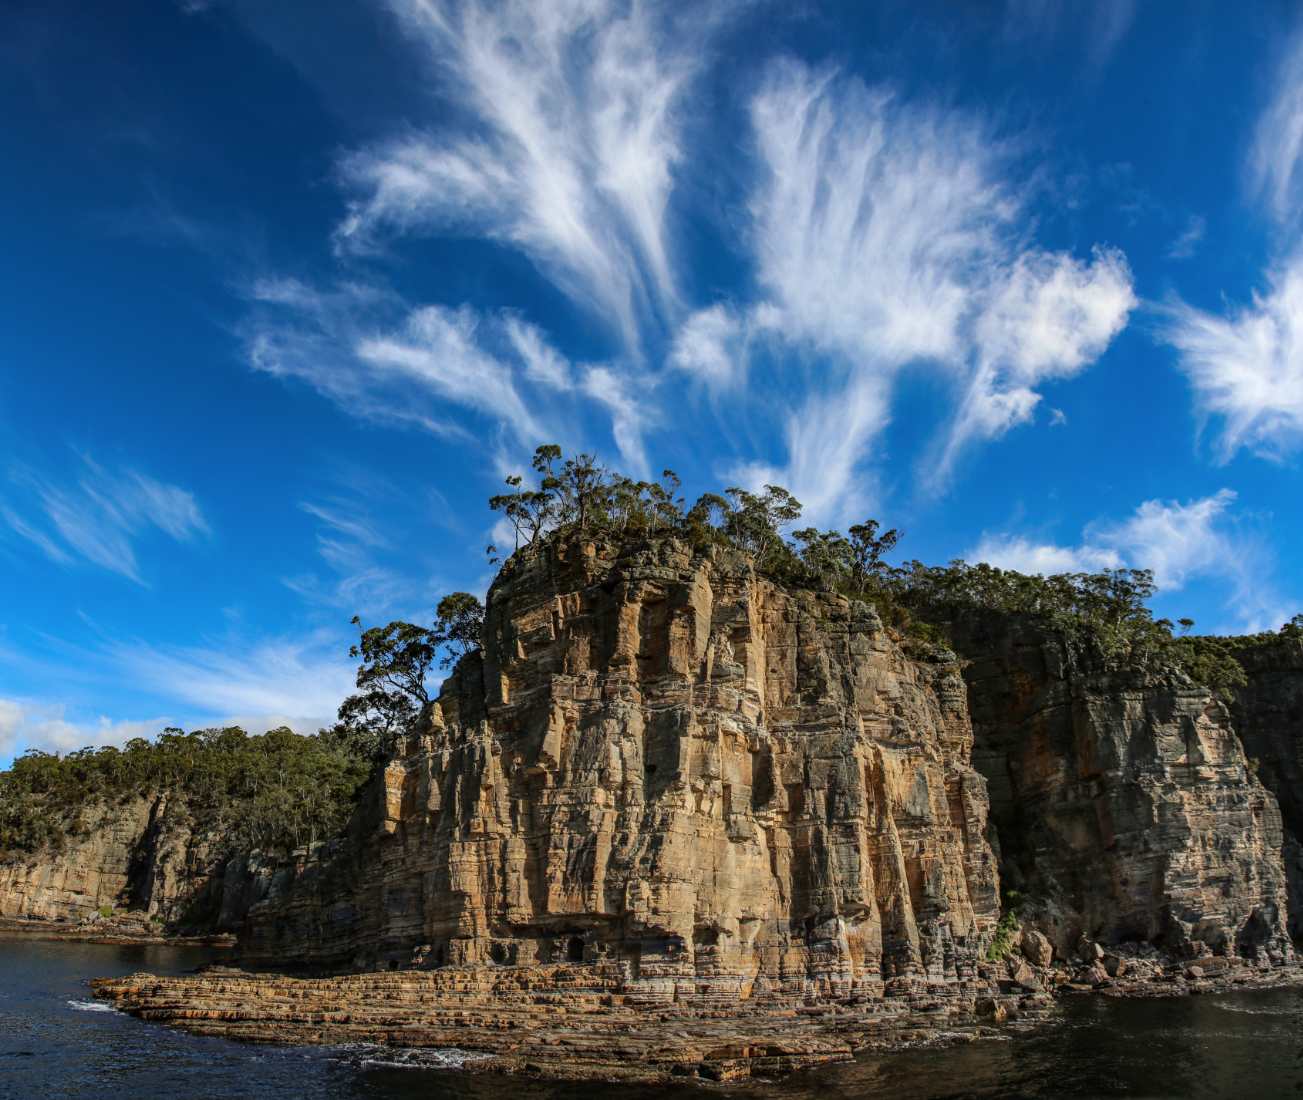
(56, 1041)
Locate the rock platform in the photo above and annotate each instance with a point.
(563, 1022)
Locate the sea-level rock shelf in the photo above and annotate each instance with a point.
(575, 1021)
(571, 1020)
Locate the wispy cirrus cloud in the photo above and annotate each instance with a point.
(887, 235)
(1245, 364)
(377, 357)
(97, 516)
(305, 676)
(571, 155)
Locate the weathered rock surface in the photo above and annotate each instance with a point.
(674, 819)
(1124, 804)
(567, 1021)
(1268, 715)
(666, 765)
(135, 855)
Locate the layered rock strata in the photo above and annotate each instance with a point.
(1268, 715)
(574, 1020)
(570, 1021)
(663, 764)
(1125, 805)
(134, 854)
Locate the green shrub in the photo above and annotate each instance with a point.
(1002, 944)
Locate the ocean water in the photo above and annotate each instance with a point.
(57, 1041)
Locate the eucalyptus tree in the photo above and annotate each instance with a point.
(756, 521)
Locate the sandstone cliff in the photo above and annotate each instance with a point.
(662, 762)
(141, 854)
(1125, 806)
(1268, 715)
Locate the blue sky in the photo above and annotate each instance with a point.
(289, 289)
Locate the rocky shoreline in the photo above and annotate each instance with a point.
(108, 932)
(575, 1023)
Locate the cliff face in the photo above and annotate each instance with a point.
(667, 763)
(137, 855)
(1268, 716)
(1124, 804)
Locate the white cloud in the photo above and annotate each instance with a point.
(439, 349)
(1185, 245)
(1177, 541)
(1024, 556)
(710, 348)
(1247, 367)
(628, 407)
(26, 726)
(1274, 160)
(306, 676)
(573, 142)
(99, 518)
(375, 357)
(543, 363)
(346, 344)
(1052, 316)
(885, 237)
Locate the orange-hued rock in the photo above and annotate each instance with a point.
(663, 763)
(566, 1021)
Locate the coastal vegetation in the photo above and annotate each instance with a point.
(272, 792)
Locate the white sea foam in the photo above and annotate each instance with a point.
(91, 1006)
(1257, 1011)
(416, 1058)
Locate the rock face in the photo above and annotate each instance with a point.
(134, 854)
(663, 763)
(1268, 716)
(1124, 804)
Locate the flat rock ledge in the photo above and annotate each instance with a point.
(106, 932)
(563, 1023)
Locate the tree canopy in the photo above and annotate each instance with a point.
(276, 791)
(395, 662)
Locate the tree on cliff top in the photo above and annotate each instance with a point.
(1112, 605)
(395, 662)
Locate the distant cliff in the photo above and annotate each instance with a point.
(1125, 805)
(184, 832)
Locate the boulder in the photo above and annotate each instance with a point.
(1037, 947)
(1090, 951)
(1022, 973)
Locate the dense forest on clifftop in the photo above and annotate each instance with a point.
(282, 790)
